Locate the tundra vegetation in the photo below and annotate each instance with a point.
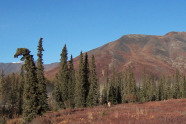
(28, 94)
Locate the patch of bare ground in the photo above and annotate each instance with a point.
(171, 111)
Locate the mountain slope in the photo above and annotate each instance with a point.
(16, 67)
(160, 55)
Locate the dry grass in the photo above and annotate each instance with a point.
(164, 112)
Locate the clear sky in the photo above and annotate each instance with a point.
(82, 24)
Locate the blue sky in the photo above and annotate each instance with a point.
(82, 24)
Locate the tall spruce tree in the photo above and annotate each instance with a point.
(124, 87)
(153, 90)
(105, 90)
(30, 97)
(118, 89)
(3, 92)
(86, 75)
(71, 84)
(42, 92)
(13, 95)
(20, 90)
(144, 87)
(92, 99)
(176, 93)
(62, 79)
(80, 90)
(112, 95)
(6, 87)
(63, 75)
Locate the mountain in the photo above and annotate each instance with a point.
(159, 55)
(16, 67)
(10, 67)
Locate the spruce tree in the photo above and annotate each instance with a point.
(144, 87)
(183, 87)
(30, 98)
(107, 85)
(42, 92)
(80, 90)
(169, 88)
(92, 99)
(61, 85)
(153, 90)
(86, 76)
(57, 94)
(3, 93)
(124, 87)
(13, 95)
(20, 90)
(112, 95)
(118, 89)
(63, 75)
(71, 83)
(105, 90)
(176, 88)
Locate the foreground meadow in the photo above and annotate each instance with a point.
(171, 111)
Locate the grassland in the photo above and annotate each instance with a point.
(171, 111)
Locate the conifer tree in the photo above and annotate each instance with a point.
(148, 90)
(13, 95)
(57, 93)
(144, 87)
(3, 93)
(107, 85)
(163, 93)
(169, 91)
(42, 92)
(118, 89)
(153, 90)
(105, 90)
(92, 99)
(71, 83)
(30, 100)
(112, 95)
(62, 79)
(80, 91)
(183, 87)
(20, 90)
(124, 87)
(86, 75)
(176, 93)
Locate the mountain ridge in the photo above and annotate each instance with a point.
(158, 54)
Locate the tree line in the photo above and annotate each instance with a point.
(123, 88)
(25, 93)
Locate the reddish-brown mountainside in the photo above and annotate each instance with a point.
(160, 55)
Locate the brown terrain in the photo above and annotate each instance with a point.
(171, 111)
(160, 55)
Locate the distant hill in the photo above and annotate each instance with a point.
(16, 67)
(10, 67)
(160, 55)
